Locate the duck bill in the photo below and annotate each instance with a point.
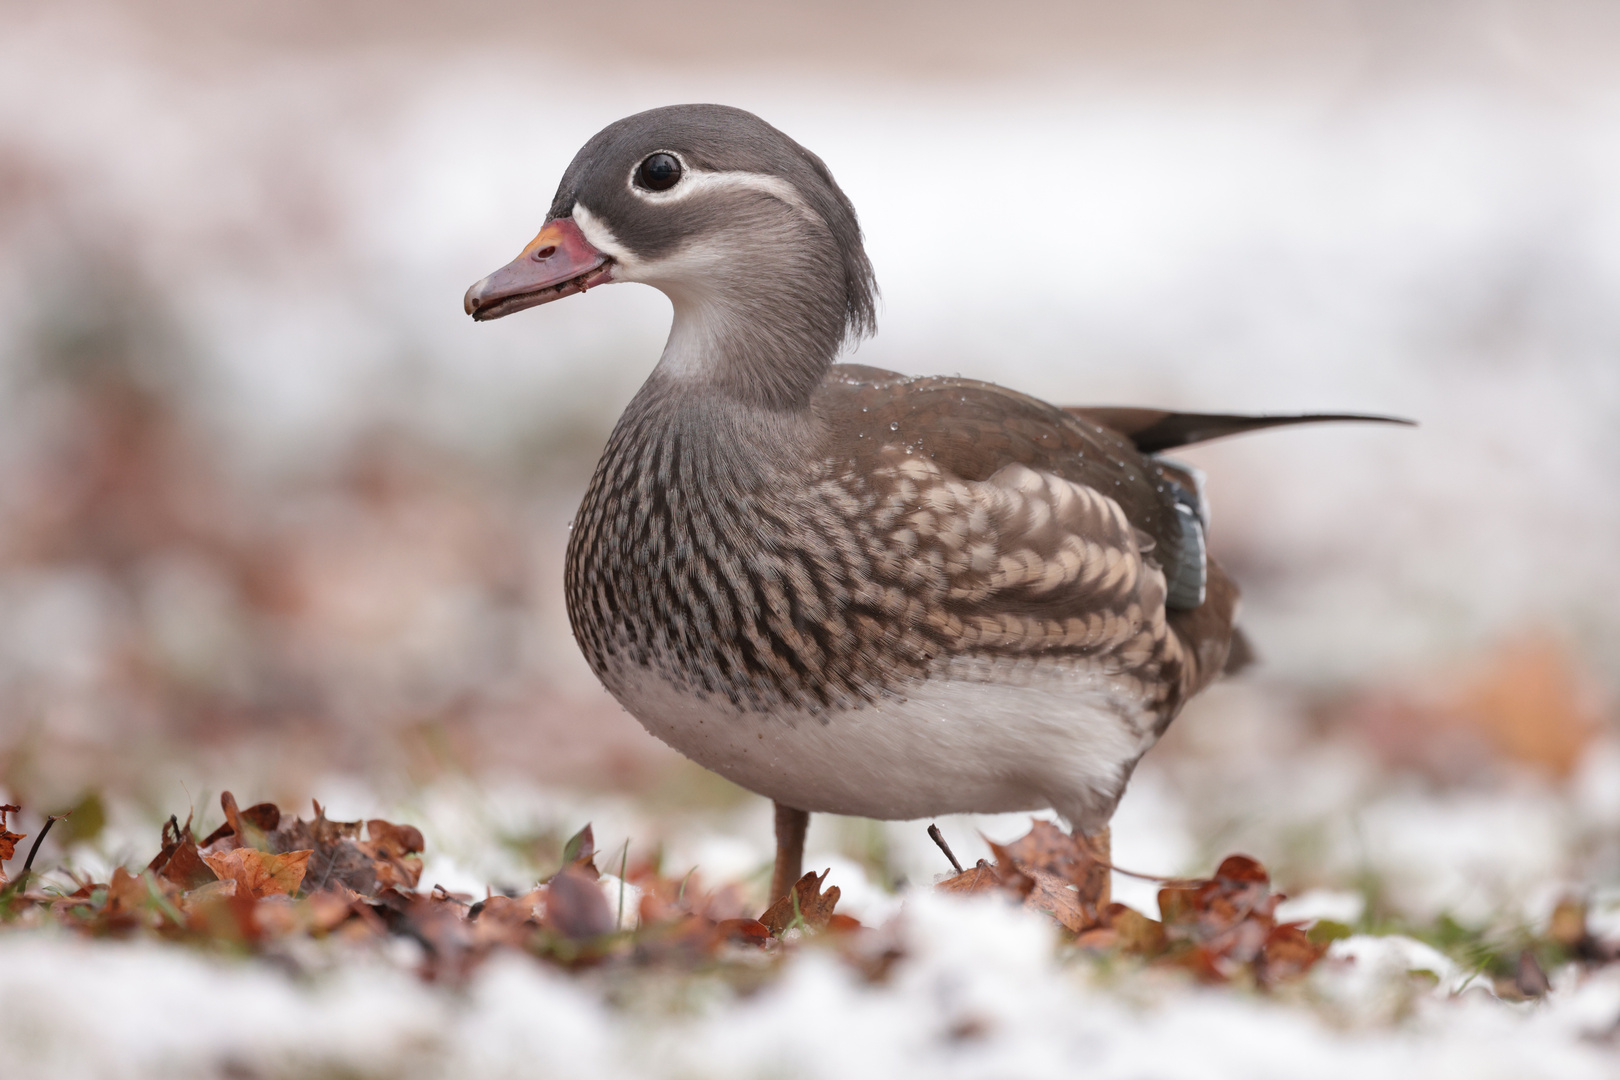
(557, 263)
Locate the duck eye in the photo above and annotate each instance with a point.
(660, 172)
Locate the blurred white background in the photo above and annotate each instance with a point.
(263, 219)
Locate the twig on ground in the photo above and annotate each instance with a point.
(939, 838)
(28, 863)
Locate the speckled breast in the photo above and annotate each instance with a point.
(832, 584)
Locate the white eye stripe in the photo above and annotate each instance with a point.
(694, 181)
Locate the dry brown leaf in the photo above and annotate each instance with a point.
(401, 874)
(441, 926)
(243, 828)
(276, 916)
(394, 841)
(227, 835)
(342, 864)
(204, 894)
(1218, 927)
(1287, 954)
(1239, 891)
(1101, 939)
(338, 859)
(1004, 876)
(127, 894)
(806, 905)
(185, 866)
(743, 932)
(223, 910)
(513, 909)
(1568, 924)
(8, 849)
(388, 847)
(575, 906)
(326, 831)
(1135, 933)
(1057, 898)
(8, 840)
(325, 911)
(980, 878)
(263, 816)
(1047, 847)
(507, 920)
(260, 873)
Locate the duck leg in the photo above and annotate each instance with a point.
(1098, 887)
(791, 826)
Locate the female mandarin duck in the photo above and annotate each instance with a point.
(845, 589)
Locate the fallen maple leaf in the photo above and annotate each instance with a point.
(1047, 890)
(260, 873)
(1239, 892)
(1038, 870)
(804, 906)
(1058, 899)
(1071, 858)
(984, 878)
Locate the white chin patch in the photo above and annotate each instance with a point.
(600, 237)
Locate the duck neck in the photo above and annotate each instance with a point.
(761, 331)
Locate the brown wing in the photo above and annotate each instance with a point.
(1045, 532)
(973, 428)
(1156, 430)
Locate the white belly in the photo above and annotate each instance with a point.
(1042, 734)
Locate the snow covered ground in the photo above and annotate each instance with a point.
(982, 990)
(979, 995)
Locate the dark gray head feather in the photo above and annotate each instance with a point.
(721, 139)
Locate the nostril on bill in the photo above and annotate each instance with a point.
(545, 253)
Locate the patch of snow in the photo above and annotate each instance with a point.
(982, 991)
(1335, 905)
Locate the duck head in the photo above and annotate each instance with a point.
(741, 227)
